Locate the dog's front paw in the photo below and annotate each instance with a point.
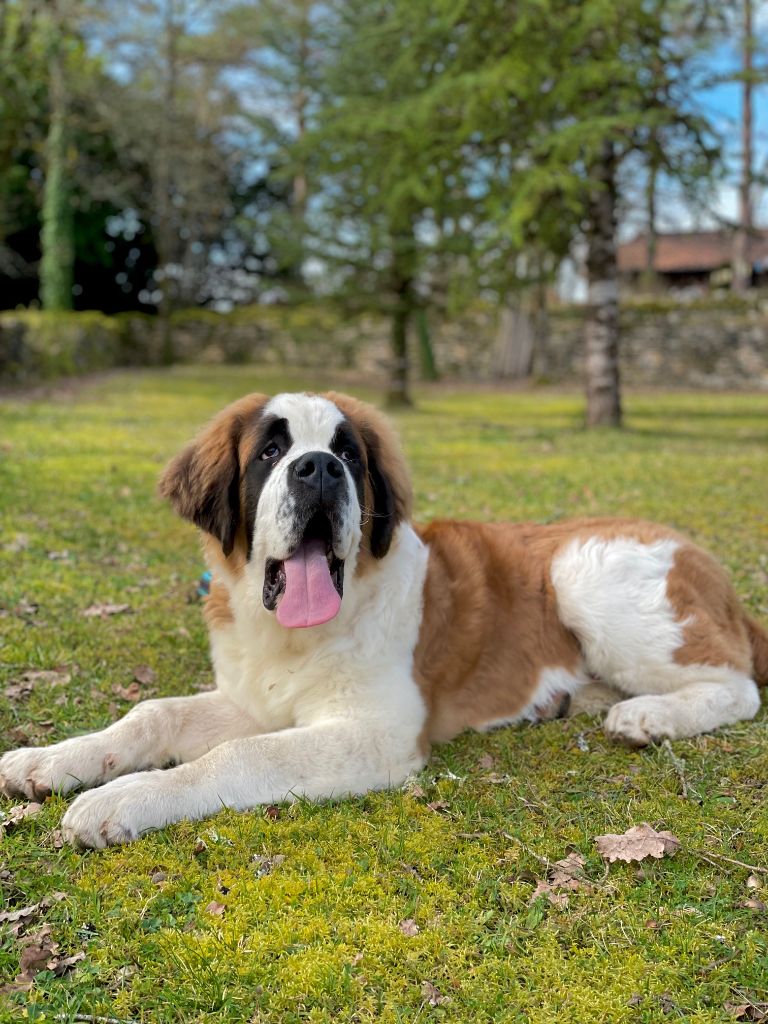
(640, 721)
(122, 810)
(36, 772)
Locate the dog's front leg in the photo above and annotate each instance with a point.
(329, 759)
(154, 733)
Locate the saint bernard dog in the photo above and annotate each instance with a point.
(346, 641)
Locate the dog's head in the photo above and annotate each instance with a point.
(295, 490)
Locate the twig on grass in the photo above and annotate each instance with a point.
(679, 765)
(730, 860)
(542, 860)
(89, 1018)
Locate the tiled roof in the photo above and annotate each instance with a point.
(690, 251)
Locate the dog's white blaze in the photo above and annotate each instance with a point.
(312, 423)
(312, 420)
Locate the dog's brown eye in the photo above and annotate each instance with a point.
(270, 452)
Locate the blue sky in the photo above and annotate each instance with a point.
(722, 104)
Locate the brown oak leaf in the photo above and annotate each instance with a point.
(568, 873)
(637, 843)
(144, 674)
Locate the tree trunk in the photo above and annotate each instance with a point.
(514, 343)
(742, 264)
(399, 388)
(602, 322)
(402, 280)
(57, 235)
(426, 352)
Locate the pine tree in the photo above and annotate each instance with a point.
(384, 186)
(553, 97)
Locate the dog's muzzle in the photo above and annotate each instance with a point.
(306, 588)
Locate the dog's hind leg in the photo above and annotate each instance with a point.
(709, 697)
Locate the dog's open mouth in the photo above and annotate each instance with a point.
(306, 588)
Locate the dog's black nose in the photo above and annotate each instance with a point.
(321, 471)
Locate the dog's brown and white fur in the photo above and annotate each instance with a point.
(455, 626)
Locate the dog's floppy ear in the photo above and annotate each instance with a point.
(203, 482)
(389, 484)
(391, 493)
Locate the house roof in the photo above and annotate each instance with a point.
(689, 251)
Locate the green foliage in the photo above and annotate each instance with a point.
(316, 937)
(22, 94)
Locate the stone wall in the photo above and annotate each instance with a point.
(705, 344)
(701, 345)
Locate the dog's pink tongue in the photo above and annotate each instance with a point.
(310, 597)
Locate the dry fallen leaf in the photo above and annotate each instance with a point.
(272, 811)
(747, 1011)
(409, 927)
(264, 865)
(132, 692)
(103, 611)
(637, 843)
(17, 691)
(754, 904)
(431, 994)
(17, 814)
(568, 873)
(61, 965)
(38, 950)
(438, 805)
(20, 543)
(25, 607)
(215, 908)
(565, 874)
(753, 882)
(144, 674)
(29, 680)
(487, 762)
(22, 913)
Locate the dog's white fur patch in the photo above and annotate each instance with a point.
(613, 595)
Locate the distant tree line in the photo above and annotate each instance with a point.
(391, 156)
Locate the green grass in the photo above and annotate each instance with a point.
(318, 938)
